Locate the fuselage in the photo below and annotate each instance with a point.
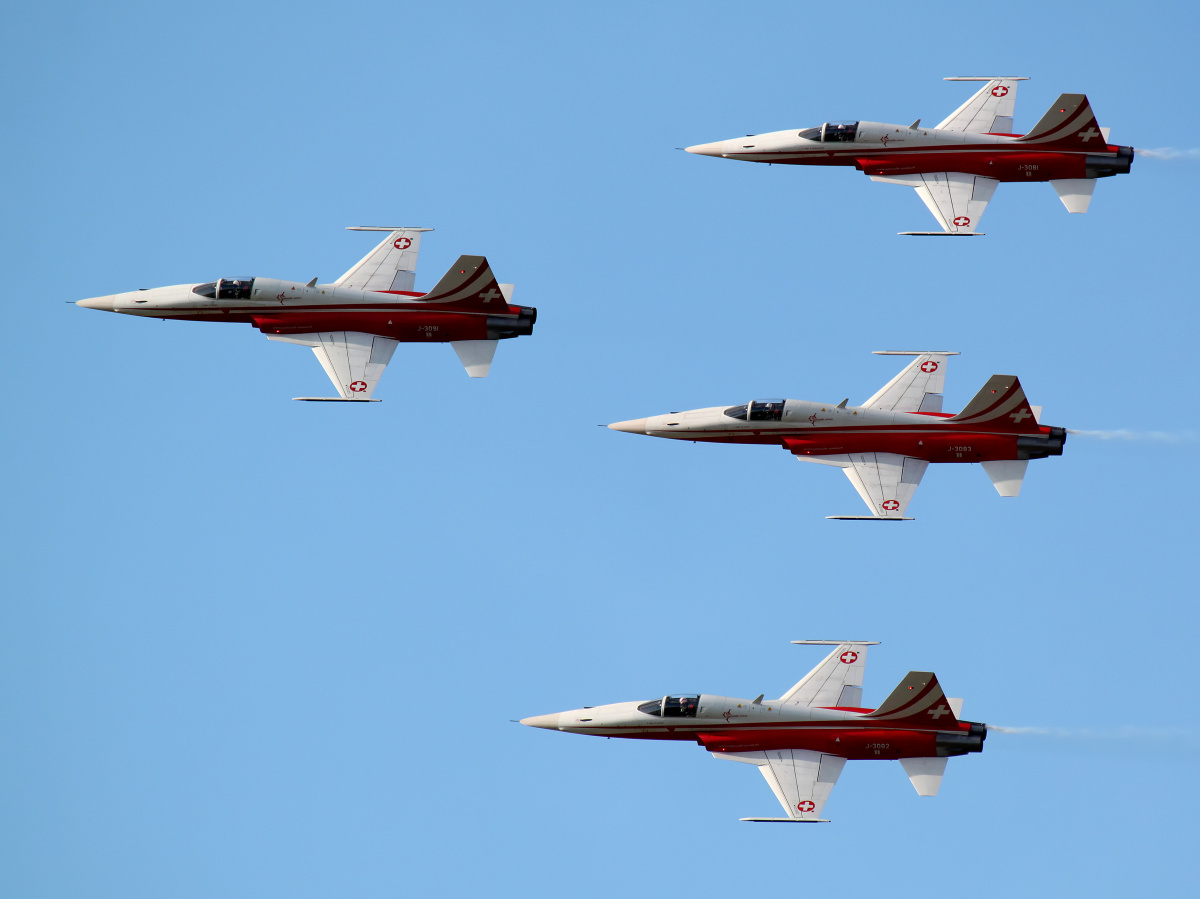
(820, 429)
(289, 307)
(725, 724)
(877, 148)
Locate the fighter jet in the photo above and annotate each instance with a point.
(801, 741)
(884, 445)
(354, 323)
(955, 165)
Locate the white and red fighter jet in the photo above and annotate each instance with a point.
(801, 741)
(884, 445)
(355, 323)
(956, 165)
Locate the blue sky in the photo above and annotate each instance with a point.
(251, 647)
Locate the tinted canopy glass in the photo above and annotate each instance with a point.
(234, 288)
(766, 410)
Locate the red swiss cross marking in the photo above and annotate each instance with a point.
(358, 386)
(401, 243)
(806, 806)
(929, 366)
(962, 221)
(999, 91)
(848, 657)
(890, 505)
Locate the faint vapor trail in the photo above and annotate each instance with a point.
(1177, 734)
(1140, 436)
(1169, 153)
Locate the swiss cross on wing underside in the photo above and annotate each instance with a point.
(1000, 90)
(806, 806)
(848, 657)
(358, 386)
(962, 221)
(402, 243)
(890, 505)
(929, 366)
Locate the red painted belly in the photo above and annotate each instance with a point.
(405, 326)
(960, 447)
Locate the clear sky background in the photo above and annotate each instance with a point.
(251, 647)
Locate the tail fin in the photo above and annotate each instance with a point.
(1069, 124)
(1001, 405)
(470, 282)
(918, 698)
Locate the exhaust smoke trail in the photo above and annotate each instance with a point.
(1169, 153)
(1128, 732)
(1140, 436)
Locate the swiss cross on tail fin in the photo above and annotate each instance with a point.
(1000, 405)
(471, 283)
(918, 699)
(1069, 124)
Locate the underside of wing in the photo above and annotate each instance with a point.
(800, 779)
(989, 110)
(919, 386)
(392, 265)
(354, 360)
(956, 199)
(885, 481)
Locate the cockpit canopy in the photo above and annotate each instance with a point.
(672, 707)
(226, 289)
(759, 410)
(831, 132)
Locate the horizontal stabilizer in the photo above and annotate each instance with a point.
(475, 355)
(925, 774)
(1006, 475)
(942, 233)
(1075, 193)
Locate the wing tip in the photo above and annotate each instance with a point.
(866, 518)
(788, 820)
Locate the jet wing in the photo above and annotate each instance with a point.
(885, 481)
(392, 265)
(353, 360)
(918, 388)
(800, 779)
(836, 681)
(957, 200)
(989, 110)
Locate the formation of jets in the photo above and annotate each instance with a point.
(955, 165)
(884, 445)
(801, 741)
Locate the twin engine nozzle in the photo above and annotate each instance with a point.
(1042, 445)
(1105, 166)
(500, 327)
(961, 743)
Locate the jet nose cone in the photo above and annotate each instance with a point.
(550, 722)
(713, 149)
(633, 426)
(105, 303)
